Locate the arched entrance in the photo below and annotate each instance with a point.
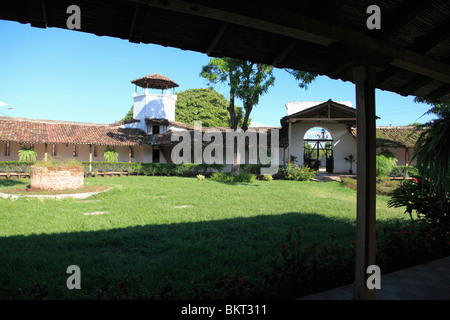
(318, 149)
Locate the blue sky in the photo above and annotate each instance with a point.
(68, 75)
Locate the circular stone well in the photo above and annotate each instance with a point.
(56, 178)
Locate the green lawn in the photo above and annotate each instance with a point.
(157, 230)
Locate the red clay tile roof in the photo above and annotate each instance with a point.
(395, 136)
(62, 132)
(155, 81)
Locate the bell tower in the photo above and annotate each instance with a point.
(154, 107)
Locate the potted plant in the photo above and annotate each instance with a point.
(27, 154)
(351, 159)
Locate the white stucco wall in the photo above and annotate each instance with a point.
(156, 106)
(343, 144)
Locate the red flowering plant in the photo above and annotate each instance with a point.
(305, 267)
(293, 171)
(402, 245)
(415, 195)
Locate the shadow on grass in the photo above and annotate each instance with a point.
(4, 183)
(150, 256)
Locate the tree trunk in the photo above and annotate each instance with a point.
(234, 123)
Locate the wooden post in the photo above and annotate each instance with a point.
(129, 154)
(90, 158)
(406, 156)
(45, 152)
(290, 142)
(364, 79)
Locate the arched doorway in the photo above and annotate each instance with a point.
(318, 149)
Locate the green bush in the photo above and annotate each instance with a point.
(384, 165)
(268, 177)
(27, 154)
(16, 166)
(233, 178)
(430, 207)
(403, 171)
(110, 155)
(296, 172)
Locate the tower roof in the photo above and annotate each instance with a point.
(155, 81)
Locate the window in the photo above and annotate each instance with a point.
(53, 150)
(7, 149)
(95, 151)
(155, 129)
(155, 156)
(75, 153)
(132, 152)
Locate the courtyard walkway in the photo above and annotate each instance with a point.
(324, 176)
(429, 281)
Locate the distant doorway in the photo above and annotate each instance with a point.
(318, 149)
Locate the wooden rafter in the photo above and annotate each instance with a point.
(217, 37)
(138, 22)
(296, 26)
(403, 16)
(37, 14)
(439, 92)
(285, 52)
(436, 36)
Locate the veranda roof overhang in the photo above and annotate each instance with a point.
(409, 54)
(411, 51)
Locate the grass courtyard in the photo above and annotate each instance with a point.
(160, 234)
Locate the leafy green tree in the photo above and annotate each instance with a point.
(206, 105)
(432, 149)
(224, 70)
(129, 115)
(248, 81)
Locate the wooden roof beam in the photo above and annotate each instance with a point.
(285, 52)
(403, 16)
(433, 38)
(36, 11)
(138, 22)
(416, 84)
(308, 29)
(217, 37)
(439, 92)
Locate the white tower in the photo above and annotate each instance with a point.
(154, 108)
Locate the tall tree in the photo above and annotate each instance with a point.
(248, 81)
(206, 105)
(224, 70)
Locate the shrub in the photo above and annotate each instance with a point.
(430, 207)
(296, 172)
(233, 178)
(200, 177)
(58, 163)
(268, 177)
(384, 165)
(403, 171)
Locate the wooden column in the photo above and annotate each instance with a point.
(406, 156)
(290, 142)
(129, 154)
(90, 158)
(45, 152)
(364, 79)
